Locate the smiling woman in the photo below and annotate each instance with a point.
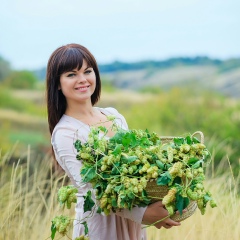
(73, 88)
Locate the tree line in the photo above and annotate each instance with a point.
(18, 79)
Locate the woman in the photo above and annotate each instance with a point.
(73, 88)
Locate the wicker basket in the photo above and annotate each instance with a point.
(156, 193)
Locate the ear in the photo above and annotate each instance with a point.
(59, 87)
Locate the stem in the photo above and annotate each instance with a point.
(156, 222)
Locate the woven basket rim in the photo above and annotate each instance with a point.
(194, 134)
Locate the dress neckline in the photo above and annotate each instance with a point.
(83, 123)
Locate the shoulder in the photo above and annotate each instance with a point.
(68, 129)
(119, 117)
(110, 110)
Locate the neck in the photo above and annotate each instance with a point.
(80, 111)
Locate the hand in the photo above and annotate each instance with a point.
(156, 212)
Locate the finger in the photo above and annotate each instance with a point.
(172, 223)
(158, 226)
(184, 211)
(159, 203)
(167, 226)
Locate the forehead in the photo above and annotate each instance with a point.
(73, 59)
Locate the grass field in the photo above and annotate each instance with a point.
(28, 203)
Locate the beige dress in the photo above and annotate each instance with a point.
(124, 225)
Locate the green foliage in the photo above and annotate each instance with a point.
(9, 101)
(88, 202)
(21, 121)
(229, 64)
(150, 89)
(108, 86)
(21, 80)
(4, 68)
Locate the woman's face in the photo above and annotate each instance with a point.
(78, 85)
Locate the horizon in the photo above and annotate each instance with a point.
(119, 30)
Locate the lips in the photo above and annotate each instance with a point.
(83, 88)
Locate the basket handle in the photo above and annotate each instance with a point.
(201, 136)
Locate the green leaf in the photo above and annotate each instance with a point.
(189, 140)
(195, 140)
(114, 202)
(100, 191)
(117, 138)
(164, 179)
(53, 230)
(131, 159)
(105, 175)
(85, 227)
(160, 164)
(178, 141)
(103, 129)
(130, 204)
(197, 164)
(128, 159)
(91, 174)
(144, 193)
(192, 161)
(130, 195)
(207, 197)
(179, 203)
(78, 145)
(129, 139)
(186, 202)
(99, 210)
(88, 202)
(144, 142)
(177, 180)
(115, 171)
(118, 188)
(84, 170)
(126, 142)
(117, 150)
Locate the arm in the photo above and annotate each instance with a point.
(63, 145)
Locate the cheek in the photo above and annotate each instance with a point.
(94, 80)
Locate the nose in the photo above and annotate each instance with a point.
(81, 78)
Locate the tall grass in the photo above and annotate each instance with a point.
(28, 188)
(219, 223)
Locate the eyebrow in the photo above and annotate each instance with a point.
(84, 69)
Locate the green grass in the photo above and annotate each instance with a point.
(26, 138)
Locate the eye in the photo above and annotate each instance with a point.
(88, 71)
(71, 75)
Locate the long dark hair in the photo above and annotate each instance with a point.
(64, 59)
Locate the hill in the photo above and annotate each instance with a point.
(222, 76)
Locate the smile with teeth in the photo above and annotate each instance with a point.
(82, 88)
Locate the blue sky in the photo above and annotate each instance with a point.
(124, 30)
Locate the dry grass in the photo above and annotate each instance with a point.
(28, 203)
(219, 223)
(23, 118)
